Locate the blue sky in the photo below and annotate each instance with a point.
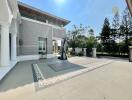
(87, 12)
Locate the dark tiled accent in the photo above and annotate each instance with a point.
(36, 75)
(63, 65)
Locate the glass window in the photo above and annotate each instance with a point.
(42, 45)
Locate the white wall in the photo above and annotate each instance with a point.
(78, 50)
(5, 12)
(0, 44)
(30, 31)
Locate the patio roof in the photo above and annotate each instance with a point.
(39, 12)
(129, 4)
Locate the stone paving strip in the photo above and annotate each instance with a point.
(85, 61)
(57, 79)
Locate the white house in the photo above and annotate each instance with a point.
(25, 32)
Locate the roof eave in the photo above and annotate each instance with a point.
(48, 14)
(129, 6)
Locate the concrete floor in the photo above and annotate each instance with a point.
(110, 82)
(17, 77)
(20, 75)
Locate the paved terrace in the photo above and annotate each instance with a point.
(109, 82)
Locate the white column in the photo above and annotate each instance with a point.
(13, 47)
(94, 52)
(84, 54)
(5, 45)
(47, 21)
(130, 53)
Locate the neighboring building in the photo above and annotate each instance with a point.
(25, 32)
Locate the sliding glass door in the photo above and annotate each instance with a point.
(42, 47)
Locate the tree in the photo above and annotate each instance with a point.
(126, 28)
(77, 38)
(115, 26)
(91, 32)
(115, 34)
(120, 30)
(81, 41)
(105, 34)
(91, 42)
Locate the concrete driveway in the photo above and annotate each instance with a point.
(110, 82)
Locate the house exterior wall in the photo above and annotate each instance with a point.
(59, 33)
(29, 32)
(5, 12)
(0, 44)
(25, 32)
